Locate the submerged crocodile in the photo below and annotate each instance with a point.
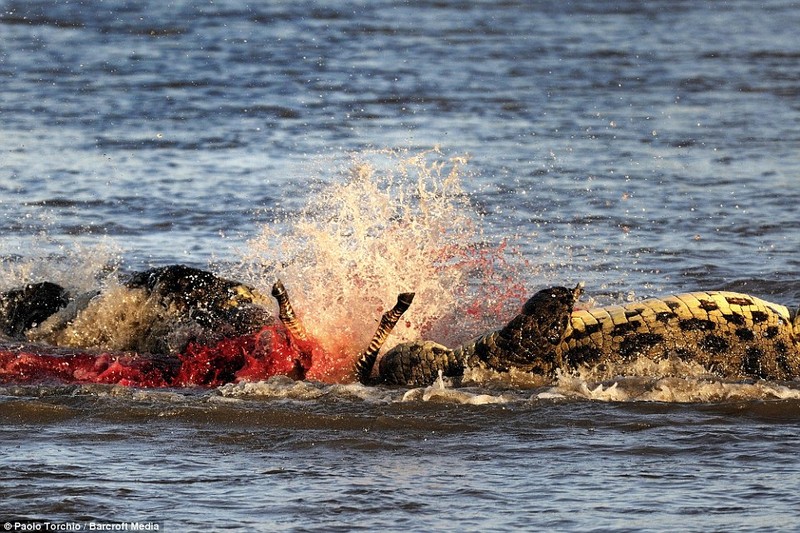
(157, 311)
(167, 326)
(732, 335)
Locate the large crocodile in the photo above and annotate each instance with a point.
(732, 335)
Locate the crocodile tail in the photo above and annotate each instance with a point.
(366, 361)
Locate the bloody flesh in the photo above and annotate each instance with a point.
(253, 357)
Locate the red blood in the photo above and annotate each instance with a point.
(37, 364)
(124, 373)
(254, 357)
(273, 354)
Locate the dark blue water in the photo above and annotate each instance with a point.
(644, 148)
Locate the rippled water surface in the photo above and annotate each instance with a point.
(340, 461)
(644, 148)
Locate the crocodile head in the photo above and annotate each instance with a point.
(545, 315)
(529, 342)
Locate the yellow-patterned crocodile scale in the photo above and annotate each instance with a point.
(732, 334)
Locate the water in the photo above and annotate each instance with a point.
(642, 148)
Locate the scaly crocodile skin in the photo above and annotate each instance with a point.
(732, 335)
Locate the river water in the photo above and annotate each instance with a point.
(472, 152)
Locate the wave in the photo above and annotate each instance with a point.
(39, 20)
(53, 402)
(704, 390)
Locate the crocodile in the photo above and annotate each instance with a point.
(731, 335)
(156, 310)
(166, 326)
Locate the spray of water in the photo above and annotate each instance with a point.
(390, 222)
(78, 268)
(395, 222)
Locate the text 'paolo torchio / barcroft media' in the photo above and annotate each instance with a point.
(43, 525)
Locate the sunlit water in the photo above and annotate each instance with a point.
(641, 148)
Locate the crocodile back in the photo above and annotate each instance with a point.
(730, 334)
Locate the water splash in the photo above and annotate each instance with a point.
(77, 267)
(395, 222)
(671, 381)
(676, 389)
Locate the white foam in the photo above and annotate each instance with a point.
(672, 389)
(443, 391)
(278, 387)
(283, 388)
